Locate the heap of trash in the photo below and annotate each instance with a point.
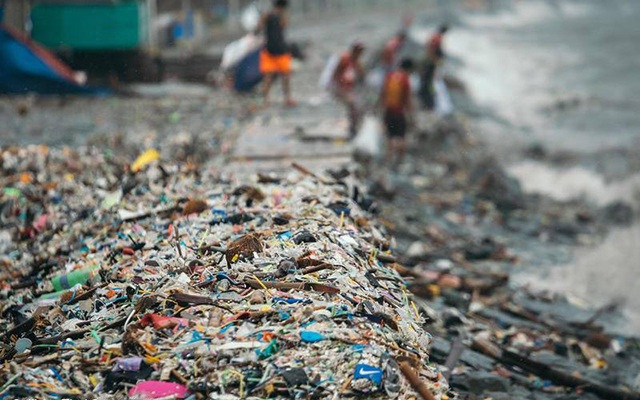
(150, 279)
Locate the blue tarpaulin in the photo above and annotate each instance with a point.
(26, 67)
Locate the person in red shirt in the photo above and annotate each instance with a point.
(435, 50)
(398, 109)
(347, 74)
(389, 59)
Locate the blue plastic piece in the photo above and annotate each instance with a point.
(289, 300)
(311, 336)
(365, 371)
(219, 216)
(285, 236)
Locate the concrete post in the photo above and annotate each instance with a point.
(234, 12)
(16, 13)
(152, 31)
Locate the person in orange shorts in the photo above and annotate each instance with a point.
(275, 58)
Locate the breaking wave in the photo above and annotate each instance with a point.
(575, 182)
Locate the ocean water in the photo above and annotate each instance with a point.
(564, 74)
(559, 72)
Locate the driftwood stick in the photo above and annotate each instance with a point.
(386, 258)
(309, 286)
(59, 338)
(185, 299)
(316, 268)
(415, 381)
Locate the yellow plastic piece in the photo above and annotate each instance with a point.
(144, 159)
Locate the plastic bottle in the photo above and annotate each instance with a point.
(80, 276)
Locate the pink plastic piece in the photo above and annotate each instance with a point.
(163, 322)
(41, 223)
(158, 389)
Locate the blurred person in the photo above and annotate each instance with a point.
(435, 50)
(275, 58)
(391, 51)
(435, 58)
(427, 91)
(395, 100)
(347, 74)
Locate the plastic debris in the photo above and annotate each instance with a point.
(144, 159)
(158, 390)
(245, 290)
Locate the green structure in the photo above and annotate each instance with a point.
(90, 26)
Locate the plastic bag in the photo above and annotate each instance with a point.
(414, 82)
(326, 77)
(368, 141)
(444, 106)
(236, 51)
(375, 78)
